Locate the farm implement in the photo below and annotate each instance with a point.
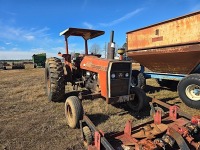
(172, 129)
(13, 64)
(170, 51)
(39, 60)
(3, 65)
(18, 65)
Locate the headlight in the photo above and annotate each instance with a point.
(112, 75)
(126, 75)
(94, 76)
(87, 73)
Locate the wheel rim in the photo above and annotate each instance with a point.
(69, 114)
(193, 92)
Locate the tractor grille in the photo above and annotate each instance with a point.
(119, 85)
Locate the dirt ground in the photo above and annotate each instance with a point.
(29, 121)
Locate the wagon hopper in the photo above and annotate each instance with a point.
(171, 50)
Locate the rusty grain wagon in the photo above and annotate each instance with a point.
(171, 50)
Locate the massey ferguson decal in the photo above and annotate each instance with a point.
(98, 67)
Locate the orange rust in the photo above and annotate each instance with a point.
(178, 60)
(181, 30)
(172, 46)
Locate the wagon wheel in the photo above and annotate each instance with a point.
(54, 79)
(87, 135)
(189, 90)
(140, 99)
(73, 111)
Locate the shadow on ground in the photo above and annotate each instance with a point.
(144, 113)
(98, 118)
(152, 89)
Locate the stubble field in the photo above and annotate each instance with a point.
(29, 121)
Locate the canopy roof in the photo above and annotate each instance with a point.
(85, 33)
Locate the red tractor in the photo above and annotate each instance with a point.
(107, 78)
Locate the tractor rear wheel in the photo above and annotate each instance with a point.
(189, 90)
(140, 99)
(73, 111)
(54, 79)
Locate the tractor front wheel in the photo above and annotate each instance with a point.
(140, 99)
(73, 111)
(138, 79)
(54, 79)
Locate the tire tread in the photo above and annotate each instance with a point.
(56, 75)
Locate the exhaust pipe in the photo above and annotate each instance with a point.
(111, 47)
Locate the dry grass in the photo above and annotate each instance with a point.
(29, 121)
